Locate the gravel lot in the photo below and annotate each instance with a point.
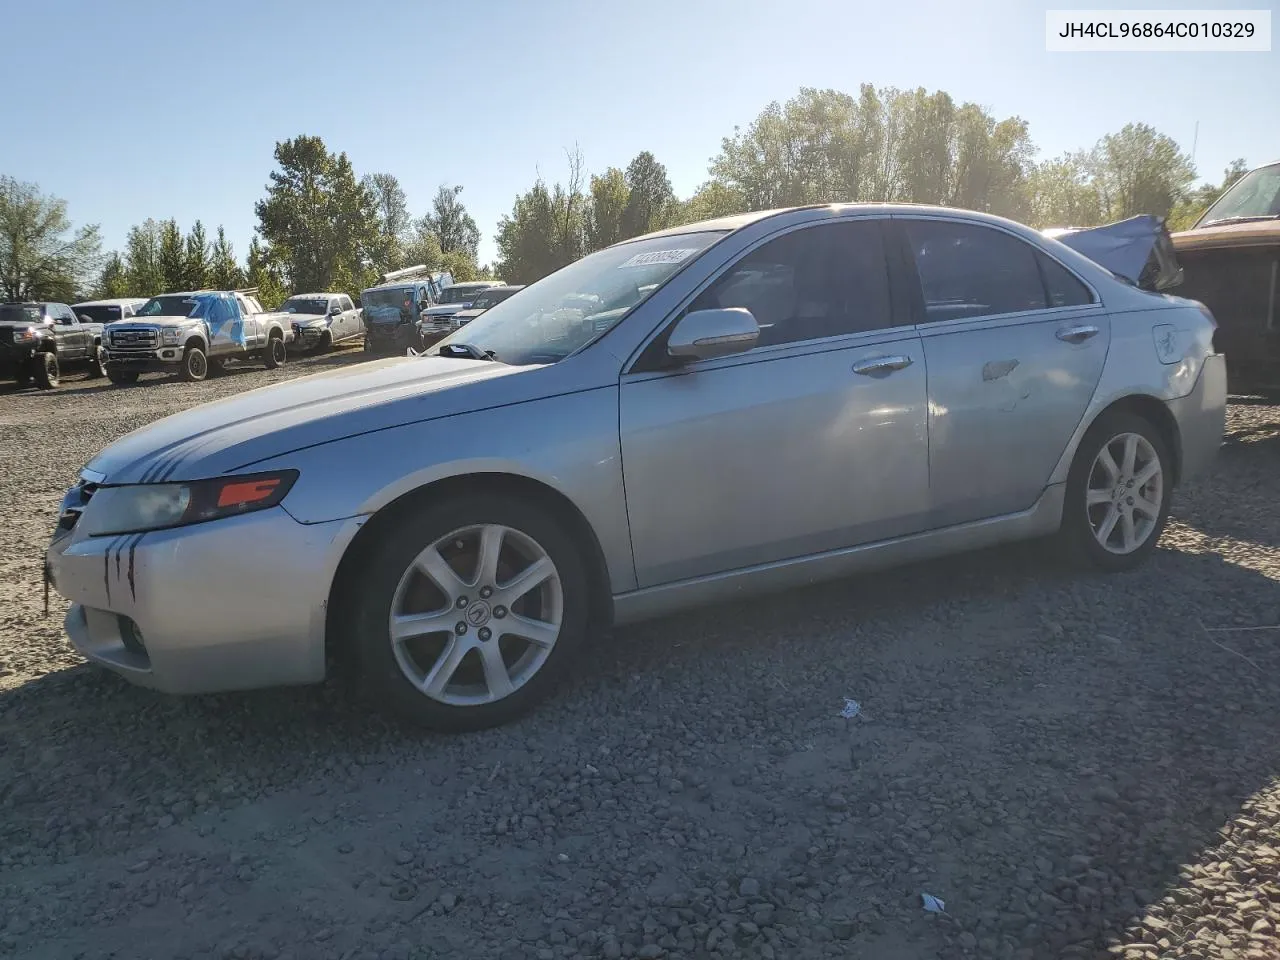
(1078, 766)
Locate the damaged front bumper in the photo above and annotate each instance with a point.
(231, 604)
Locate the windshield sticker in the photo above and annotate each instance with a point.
(658, 256)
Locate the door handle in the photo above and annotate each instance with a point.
(1078, 334)
(876, 365)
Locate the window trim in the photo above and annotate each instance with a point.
(900, 316)
(915, 289)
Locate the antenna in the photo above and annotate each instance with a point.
(1195, 138)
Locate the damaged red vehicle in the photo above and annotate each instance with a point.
(1231, 264)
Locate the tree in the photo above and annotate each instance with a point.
(452, 225)
(1139, 170)
(609, 194)
(318, 222)
(545, 230)
(171, 258)
(712, 199)
(143, 276)
(224, 272)
(393, 220)
(41, 256)
(1062, 193)
(263, 271)
(113, 281)
(197, 269)
(649, 196)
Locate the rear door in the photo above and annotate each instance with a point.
(1015, 344)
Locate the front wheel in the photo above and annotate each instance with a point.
(275, 353)
(195, 365)
(47, 375)
(1118, 493)
(98, 362)
(469, 612)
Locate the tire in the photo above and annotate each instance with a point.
(98, 362)
(275, 355)
(325, 344)
(389, 582)
(1083, 524)
(122, 378)
(195, 365)
(46, 371)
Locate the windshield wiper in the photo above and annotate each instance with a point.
(1250, 219)
(465, 350)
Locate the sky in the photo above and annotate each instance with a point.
(132, 109)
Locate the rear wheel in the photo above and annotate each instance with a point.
(98, 361)
(47, 374)
(469, 612)
(1118, 493)
(195, 365)
(122, 377)
(275, 352)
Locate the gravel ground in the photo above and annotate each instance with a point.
(1078, 766)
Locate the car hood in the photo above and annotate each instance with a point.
(226, 435)
(1250, 234)
(444, 308)
(149, 322)
(305, 317)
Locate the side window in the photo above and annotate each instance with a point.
(815, 282)
(346, 303)
(967, 270)
(63, 315)
(1060, 286)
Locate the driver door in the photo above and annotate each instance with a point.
(813, 440)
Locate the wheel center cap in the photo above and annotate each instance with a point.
(478, 613)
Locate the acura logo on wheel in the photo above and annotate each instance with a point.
(478, 613)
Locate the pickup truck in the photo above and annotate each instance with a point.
(36, 339)
(193, 333)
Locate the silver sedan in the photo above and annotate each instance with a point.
(697, 415)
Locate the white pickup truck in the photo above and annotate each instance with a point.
(192, 333)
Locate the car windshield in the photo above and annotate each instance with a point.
(98, 313)
(458, 294)
(565, 311)
(20, 313)
(173, 305)
(304, 305)
(1256, 194)
(489, 298)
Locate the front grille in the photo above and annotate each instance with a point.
(141, 339)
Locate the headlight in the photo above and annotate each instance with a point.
(171, 336)
(157, 506)
(22, 336)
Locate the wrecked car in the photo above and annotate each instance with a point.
(1231, 262)
(1139, 249)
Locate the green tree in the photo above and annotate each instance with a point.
(318, 221)
(224, 272)
(393, 221)
(113, 281)
(142, 260)
(711, 200)
(650, 198)
(41, 256)
(609, 194)
(423, 249)
(1062, 194)
(1139, 170)
(197, 270)
(263, 271)
(452, 224)
(171, 257)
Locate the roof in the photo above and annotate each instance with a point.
(110, 302)
(305, 296)
(474, 283)
(741, 220)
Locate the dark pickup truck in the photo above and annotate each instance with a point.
(36, 339)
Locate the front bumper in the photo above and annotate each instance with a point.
(1202, 417)
(161, 361)
(232, 604)
(392, 336)
(15, 357)
(308, 337)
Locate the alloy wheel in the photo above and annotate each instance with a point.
(476, 615)
(1125, 493)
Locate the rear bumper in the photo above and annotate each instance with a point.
(1202, 417)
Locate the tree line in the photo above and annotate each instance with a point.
(320, 227)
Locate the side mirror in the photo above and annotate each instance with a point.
(335, 310)
(707, 334)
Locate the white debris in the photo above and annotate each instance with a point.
(851, 709)
(932, 904)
